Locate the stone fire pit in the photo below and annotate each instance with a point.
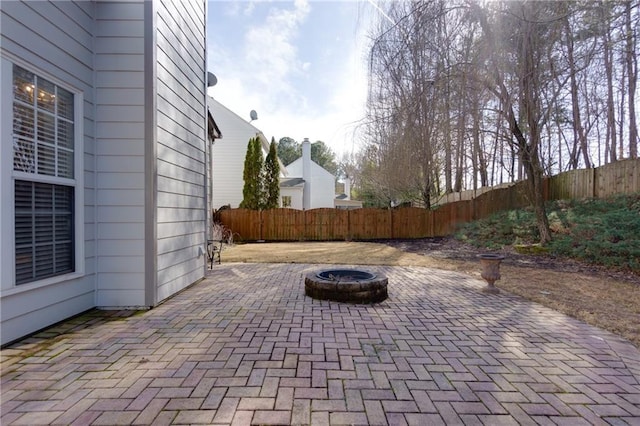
(346, 285)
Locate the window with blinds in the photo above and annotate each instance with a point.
(43, 230)
(43, 157)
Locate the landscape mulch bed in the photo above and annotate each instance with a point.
(453, 249)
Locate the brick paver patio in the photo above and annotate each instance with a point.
(246, 346)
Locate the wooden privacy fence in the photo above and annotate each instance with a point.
(335, 224)
(622, 177)
(328, 224)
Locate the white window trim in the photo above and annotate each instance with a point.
(8, 177)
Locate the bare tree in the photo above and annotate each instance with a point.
(631, 34)
(465, 94)
(610, 146)
(579, 134)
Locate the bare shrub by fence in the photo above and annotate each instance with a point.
(622, 177)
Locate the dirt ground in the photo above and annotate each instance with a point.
(601, 297)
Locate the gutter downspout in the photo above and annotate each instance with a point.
(150, 157)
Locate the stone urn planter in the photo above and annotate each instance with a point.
(490, 271)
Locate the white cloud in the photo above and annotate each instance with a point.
(263, 70)
(232, 9)
(271, 53)
(249, 9)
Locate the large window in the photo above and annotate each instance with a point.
(44, 177)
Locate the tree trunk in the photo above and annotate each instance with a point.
(460, 154)
(448, 157)
(578, 130)
(611, 115)
(528, 151)
(531, 163)
(632, 75)
(479, 162)
(426, 193)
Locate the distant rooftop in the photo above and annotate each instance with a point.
(291, 182)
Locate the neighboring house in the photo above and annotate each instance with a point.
(299, 181)
(228, 155)
(103, 174)
(291, 193)
(343, 200)
(317, 186)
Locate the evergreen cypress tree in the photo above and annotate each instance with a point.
(259, 161)
(271, 178)
(247, 189)
(252, 192)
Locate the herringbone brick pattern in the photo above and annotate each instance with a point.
(246, 346)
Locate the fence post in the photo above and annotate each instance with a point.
(473, 208)
(433, 223)
(545, 188)
(391, 222)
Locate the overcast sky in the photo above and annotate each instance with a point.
(300, 64)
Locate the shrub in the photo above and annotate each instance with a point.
(598, 231)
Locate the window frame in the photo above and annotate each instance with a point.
(8, 177)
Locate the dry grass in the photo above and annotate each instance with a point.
(610, 304)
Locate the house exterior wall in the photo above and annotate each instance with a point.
(120, 156)
(296, 196)
(228, 156)
(54, 41)
(322, 184)
(137, 70)
(181, 145)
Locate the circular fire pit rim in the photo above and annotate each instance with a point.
(350, 275)
(364, 291)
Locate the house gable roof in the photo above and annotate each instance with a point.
(290, 182)
(226, 117)
(297, 165)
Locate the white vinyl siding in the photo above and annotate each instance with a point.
(322, 184)
(136, 70)
(53, 40)
(181, 150)
(295, 195)
(120, 165)
(228, 156)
